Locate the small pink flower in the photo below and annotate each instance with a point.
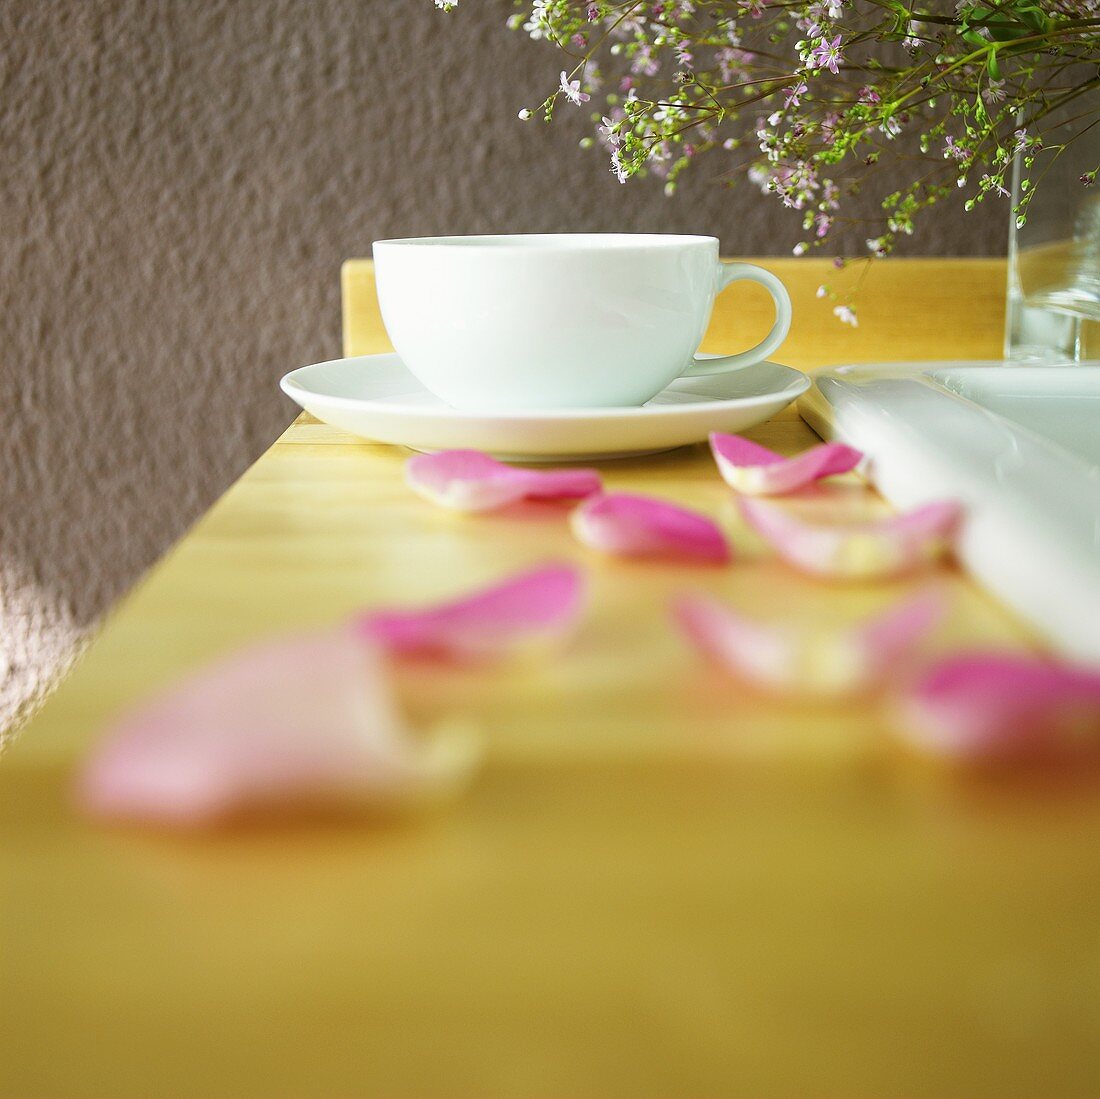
(952, 149)
(640, 526)
(644, 63)
(994, 92)
(757, 471)
(793, 96)
(826, 55)
(571, 89)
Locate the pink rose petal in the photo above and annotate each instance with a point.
(306, 720)
(996, 705)
(862, 551)
(802, 659)
(640, 526)
(468, 480)
(757, 471)
(539, 605)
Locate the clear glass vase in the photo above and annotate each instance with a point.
(1053, 311)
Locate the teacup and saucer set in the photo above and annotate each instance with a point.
(552, 347)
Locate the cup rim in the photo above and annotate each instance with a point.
(549, 242)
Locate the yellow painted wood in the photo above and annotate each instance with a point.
(662, 885)
(908, 309)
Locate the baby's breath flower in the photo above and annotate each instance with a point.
(792, 97)
(988, 183)
(826, 54)
(951, 149)
(805, 96)
(994, 92)
(571, 89)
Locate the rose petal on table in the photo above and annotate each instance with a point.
(640, 526)
(302, 721)
(790, 658)
(757, 471)
(863, 551)
(468, 480)
(997, 706)
(540, 605)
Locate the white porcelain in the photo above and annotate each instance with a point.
(1017, 445)
(588, 320)
(376, 397)
(1061, 403)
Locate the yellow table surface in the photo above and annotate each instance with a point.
(662, 884)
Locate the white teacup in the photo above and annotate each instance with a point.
(581, 320)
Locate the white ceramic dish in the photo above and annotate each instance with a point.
(375, 396)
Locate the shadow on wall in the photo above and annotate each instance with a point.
(179, 185)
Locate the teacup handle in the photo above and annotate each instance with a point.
(733, 272)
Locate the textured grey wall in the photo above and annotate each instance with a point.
(179, 181)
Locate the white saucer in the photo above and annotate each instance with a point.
(376, 397)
